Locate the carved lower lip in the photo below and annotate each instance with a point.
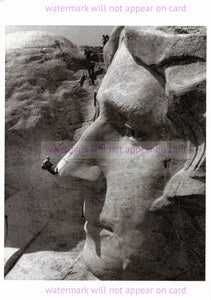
(106, 233)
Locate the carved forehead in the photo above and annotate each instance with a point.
(155, 46)
(175, 55)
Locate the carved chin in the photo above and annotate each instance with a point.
(103, 257)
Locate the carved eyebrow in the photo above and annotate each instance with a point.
(155, 50)
(154, 70)
(156, 47)
(158, 71)
(132, 35)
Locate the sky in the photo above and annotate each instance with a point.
(80, 35)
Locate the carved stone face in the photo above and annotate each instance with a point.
(126, 238)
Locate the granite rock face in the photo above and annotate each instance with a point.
(46, 109)
(151, 139)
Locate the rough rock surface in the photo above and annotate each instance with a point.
(45, 105)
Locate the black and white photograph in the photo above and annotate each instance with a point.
(105, 136)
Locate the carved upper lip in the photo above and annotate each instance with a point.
(107, 226)
(104, 228)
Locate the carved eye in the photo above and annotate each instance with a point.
(130, 132)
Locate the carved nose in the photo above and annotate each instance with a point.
(83, 163)
(109, 218)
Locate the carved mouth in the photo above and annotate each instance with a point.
(106, 233)
(102, 228)
(107, 228)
